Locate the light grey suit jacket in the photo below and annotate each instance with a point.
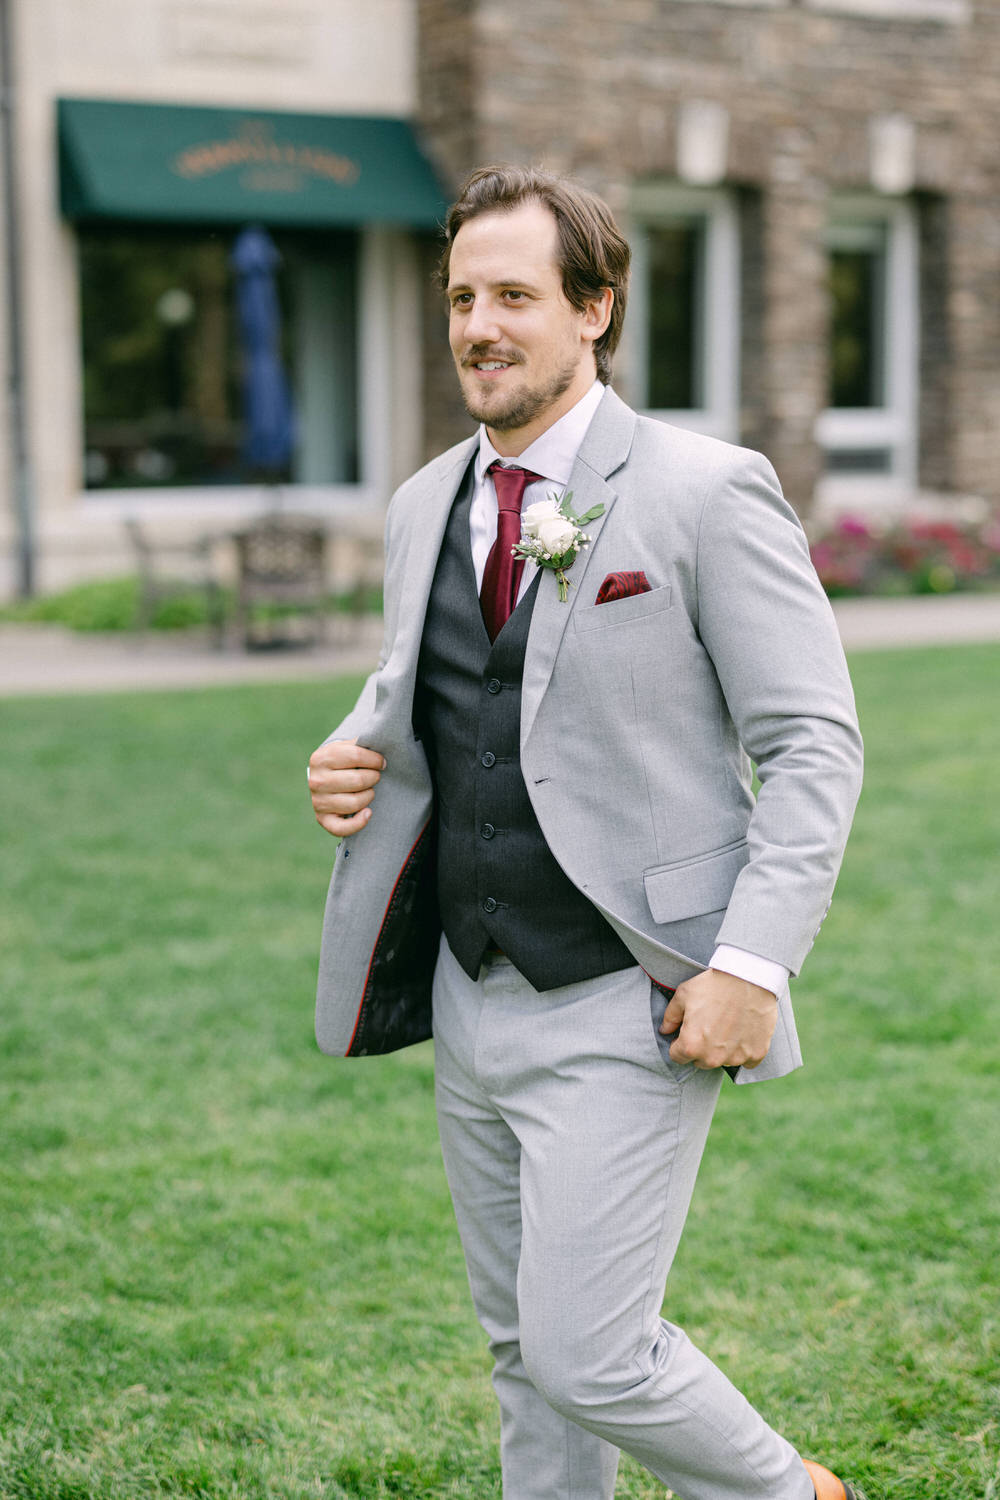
(640, 719)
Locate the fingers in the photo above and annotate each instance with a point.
(673, 1020)
(342, 777)
(679, 1053)
(354, 779)
(696, 1044)
(342, 804)
(341, 826)
(340, 755)
(673, 1016)
(692, 1046)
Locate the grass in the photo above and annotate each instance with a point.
(228, 1265)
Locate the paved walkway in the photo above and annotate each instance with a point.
(945, 620)
(38, 659)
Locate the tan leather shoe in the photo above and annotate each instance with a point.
(827, 1485)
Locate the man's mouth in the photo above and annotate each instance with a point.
(488, 364)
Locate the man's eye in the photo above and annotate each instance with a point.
(514, 296)
(462, 299)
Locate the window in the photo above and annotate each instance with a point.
(684, 354)
(675, 274)
(869, 427)
(162, 357)
(857, 340)
(954, 11)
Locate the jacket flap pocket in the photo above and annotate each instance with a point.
(617, 611)
(675, 892)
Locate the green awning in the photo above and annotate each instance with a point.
(167, 163)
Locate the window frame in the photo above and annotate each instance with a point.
(892, 427)
(954, 12)
(717, 336)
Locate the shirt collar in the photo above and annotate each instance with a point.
(554, 453)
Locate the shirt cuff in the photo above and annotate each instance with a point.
(751, 967)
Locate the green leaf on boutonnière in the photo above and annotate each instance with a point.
(590, 515)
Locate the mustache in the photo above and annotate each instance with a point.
(483, 351)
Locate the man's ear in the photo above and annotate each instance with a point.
(597, 315)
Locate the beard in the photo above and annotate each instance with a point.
(508, 414)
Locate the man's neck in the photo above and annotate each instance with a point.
(554, 451)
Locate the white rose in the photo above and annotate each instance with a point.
(533, 515)
(556, 534)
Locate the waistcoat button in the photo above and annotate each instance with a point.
(487, 830)
(489, 759)
(489, 904)
(494, 685)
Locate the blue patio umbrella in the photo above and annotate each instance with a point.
(267, 401)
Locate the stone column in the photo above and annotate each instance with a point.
(795, 321)
(974, 319)
(449, 104)
(450, 120)
(937, 375)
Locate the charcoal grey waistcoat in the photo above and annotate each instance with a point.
(498, 884)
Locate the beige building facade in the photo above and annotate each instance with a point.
(265, 61)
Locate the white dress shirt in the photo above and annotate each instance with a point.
(552, 456)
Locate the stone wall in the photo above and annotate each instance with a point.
(812, 101)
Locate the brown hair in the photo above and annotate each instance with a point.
(593, 253)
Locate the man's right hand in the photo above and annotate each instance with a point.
(342, 780)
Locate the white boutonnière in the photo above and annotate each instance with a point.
(553, 536)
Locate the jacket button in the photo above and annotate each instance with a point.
(494, 685)
(487, 830)
(489, 759)
(489, 904)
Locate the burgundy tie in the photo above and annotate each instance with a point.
(502, 573)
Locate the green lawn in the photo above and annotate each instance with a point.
(228, 1265)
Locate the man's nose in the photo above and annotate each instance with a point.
(482, 325)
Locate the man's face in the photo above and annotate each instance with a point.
(524, 356)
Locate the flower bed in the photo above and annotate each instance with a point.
(915, 556)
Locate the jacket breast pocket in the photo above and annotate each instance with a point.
(693, 887)
(618, 611)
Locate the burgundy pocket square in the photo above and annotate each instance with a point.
(622, 586)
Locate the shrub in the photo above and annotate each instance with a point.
(915, 556)
(113, 604)
(105, 604)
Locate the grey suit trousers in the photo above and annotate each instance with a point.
(571, 1143)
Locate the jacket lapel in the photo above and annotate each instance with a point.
(428, 511)
(604, 449)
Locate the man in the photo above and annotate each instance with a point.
(564, 787)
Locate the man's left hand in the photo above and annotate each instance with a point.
(723, 1021)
